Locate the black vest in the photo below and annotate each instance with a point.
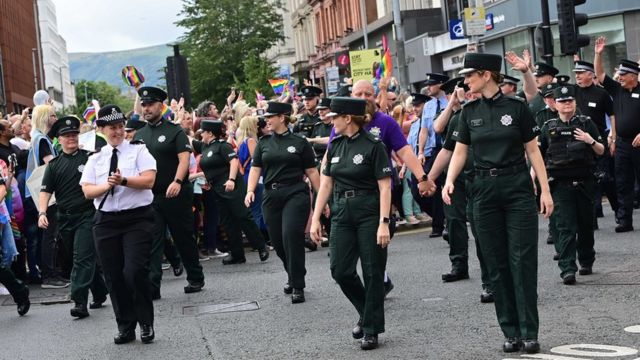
(565, 152)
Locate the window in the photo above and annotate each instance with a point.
(517, 43)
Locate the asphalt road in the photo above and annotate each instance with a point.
(425, 318)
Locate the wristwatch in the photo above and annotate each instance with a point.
(593, 143)
(424, 178)
(384, 220)
(124, 181)
(179, 181)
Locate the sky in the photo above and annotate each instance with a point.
(113, 25)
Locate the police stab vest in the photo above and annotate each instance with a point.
(565, 152)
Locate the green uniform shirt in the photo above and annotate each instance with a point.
(62, 177)
(283, 158)
(320, 130)
(165, 140)
(304, 126)
(536, 104)
(357, 162)
(451, 138)
(545, 115)
(215, 159)
(497, 128)
(571, 172)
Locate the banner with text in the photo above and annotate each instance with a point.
(362, 63)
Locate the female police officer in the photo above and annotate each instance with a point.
(358, 173)
(119, 179)
(219, 162)
(499, 128)
(283, 159)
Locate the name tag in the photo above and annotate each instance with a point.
(635, 95)
(477, 122)
(335, 160)
(592, 104)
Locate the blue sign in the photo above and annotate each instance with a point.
(488, 22)
(456, 30)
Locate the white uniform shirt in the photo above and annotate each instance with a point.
(132, 160)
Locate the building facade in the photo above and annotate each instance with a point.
(283, 54)
(304, 37)
(55, 58)
(20, 70)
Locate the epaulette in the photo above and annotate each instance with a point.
(554, 120)
(541, 110)
(373, 138)
(336, 138)
(54, 159)
(317, 123)
(137, 142)
(517, 98)
(265, 137)
(470, 102)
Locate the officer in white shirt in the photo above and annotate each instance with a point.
(119, 179)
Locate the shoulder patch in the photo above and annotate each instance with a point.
(137, 142)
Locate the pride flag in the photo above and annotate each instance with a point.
(278, 85)
(166, 112)
(89, 115)
(259, 96)
(385, 68)
(132, 76)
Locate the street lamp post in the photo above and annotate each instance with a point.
(62, 84)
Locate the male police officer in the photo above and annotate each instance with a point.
(626, 105)
(509, 85)
(549, 111)
(570, 143)
(321, 130)
(544, 75)
(75, 215)
(311, 97)
(173, 194)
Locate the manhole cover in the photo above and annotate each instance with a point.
(221, 308)
(42, 300)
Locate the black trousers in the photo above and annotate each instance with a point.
(286, 211)
(627, 165)
(123, 240)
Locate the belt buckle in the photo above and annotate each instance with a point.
(349, 194)
(274, 186)
(493, 172)
(575, 183)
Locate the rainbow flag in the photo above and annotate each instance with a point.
(386, 67)
(89, 115)
(166, 112)
(259, 96)
(278, 85)
(132, 76)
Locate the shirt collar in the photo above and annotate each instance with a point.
(495, 97)
(356, 135)
(157, 123)
(286, 133)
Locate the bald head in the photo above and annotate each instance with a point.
(363, 89)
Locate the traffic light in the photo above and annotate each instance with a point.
(544, 42)
(568, 23)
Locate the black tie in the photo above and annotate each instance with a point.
(113, 166)
(438, 107)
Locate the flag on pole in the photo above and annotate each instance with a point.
(278, 85)
(132, 76)
(166, 112)
(386, 67)
(89, 114)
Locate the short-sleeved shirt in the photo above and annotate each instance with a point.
(545, 115)
(496, 128)
(536, 104)
(357, 162)
(320, 130)
(431, 110)
(283, 158)
(451, 138)
(215, 159)
(595, 102)
(62, 178)
(132, 161)
(572, 173)
(165, 140)
(626, 107)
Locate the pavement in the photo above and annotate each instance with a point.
(425, 318)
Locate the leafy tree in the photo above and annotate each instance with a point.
(257, 70)
(102, 91)
(223, 36)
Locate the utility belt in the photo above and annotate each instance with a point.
(501, 171)
(347, 194)
(280, 185)
(69, 212)
(128, 211)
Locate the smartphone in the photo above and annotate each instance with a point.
(260, 112)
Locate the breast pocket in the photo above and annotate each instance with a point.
(127, 165)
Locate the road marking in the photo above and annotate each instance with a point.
(633, 329)
(550, 357)
(432, 299)
(594, 350)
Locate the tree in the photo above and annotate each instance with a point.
(101, 91)
(221, 37)
(257, 70)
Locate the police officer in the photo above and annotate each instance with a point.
(310, 97)
(173, 193)
(219, 162)
(283, 159)
(497, 128)
(595, 102)
(509, 85)
(119, 180)
(321, 130)
(131, 127)
(544, 75)
(626, 139)
(549, 111)
(570, 143)
(75, 215)
(358, 175)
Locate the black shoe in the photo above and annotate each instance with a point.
(455, 276)
(177, 271)
(369, 342)
(309, 244)
(357, 330)
(569, 279)
(512, 345)
(263, 254)
(288, 289)
(585, 271)
(297, 296)
(388, 286)
(624, 228)
(24, 304)
(556, 257)
(230, 260)
(435, 234)
(97, 304)
(80, 311)
(531, 346)
(147, 334)
(549, 239)
(193, 287)
(155, 293)
(124, 337)
(486, 296)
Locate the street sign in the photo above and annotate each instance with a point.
(488, 24)
(472, 47)
(456, 30)
(474, 20)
